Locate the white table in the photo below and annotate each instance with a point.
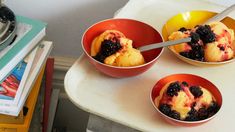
(126, 101)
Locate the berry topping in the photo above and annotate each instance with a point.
(185, 84)
(173, 89)
(221, 47)
(196, 91)
(197, 108)
(194, 37)
(182, 29)
(192, 115)
(165, 108)
(205, 33)
(99, 57)
(213, 108)
(197, 53)
(202, 113)
(107, 48)
(185, 54)
(174, 114)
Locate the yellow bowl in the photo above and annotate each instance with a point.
(190, 20)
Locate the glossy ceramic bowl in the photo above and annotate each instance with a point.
(141, 34)
(193, 80)
(190, 20)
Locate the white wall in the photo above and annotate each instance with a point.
(67, 19)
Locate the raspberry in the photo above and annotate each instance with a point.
(173, 89)
(196, 91)
(205, 33)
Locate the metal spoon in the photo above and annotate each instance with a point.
(218, 17)
(164, 44)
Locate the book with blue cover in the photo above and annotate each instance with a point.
(12, 86)
(43, 52)
(29, 33)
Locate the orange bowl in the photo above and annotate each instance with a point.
(141, 34)
(192, 80)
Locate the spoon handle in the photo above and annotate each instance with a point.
(222, 15)
(164, 44)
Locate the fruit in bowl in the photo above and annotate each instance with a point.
(110, 45)
(212, 43)
(186, 102)
(113, 48)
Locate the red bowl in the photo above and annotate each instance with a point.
(192, 80)
(141, 34)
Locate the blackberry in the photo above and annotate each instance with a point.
(213, 108)
(185, 54)
(222, 48)
(196, 91)
(193, 105)
(165, 108)
(173, 89)
(192, 115)
(185, 84)
(205, 33)
(182, 29)
(109, 47)
(194, 37)
(99, 57)
(174, 114)
(202, 113)
(197, 53)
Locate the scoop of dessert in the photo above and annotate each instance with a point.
(113, 48)
(183, 101)
(211, 43)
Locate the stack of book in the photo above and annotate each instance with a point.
(20, 64)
